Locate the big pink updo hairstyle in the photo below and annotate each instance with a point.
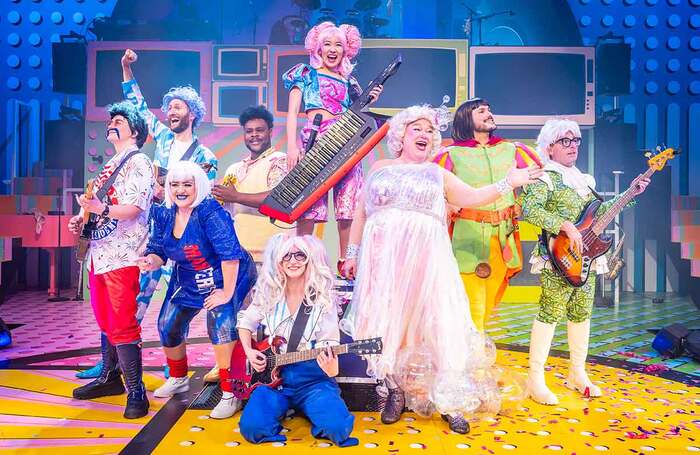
(349, 36)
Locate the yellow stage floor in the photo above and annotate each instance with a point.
(638, 414)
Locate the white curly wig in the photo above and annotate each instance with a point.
(553, 130)
(438, 117)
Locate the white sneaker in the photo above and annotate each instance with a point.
(227, 407)
(172, 386)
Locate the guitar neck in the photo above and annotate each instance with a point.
(302, 356)
(619, 205)
(389, 71)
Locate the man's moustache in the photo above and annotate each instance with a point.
(115, 131)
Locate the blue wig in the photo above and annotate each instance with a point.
(136, 122)
(191, 98)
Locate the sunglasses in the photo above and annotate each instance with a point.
(298, 256)
(568, 141)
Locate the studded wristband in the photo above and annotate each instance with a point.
(503, 187)
(351, 251)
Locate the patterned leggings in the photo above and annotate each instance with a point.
(559, 297)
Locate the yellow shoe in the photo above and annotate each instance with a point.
(213, 375)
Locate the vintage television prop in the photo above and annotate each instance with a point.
(528, 85)
(432, 71)
(233, 63)
(230, 98)
(160, 66)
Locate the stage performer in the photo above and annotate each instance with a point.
(184, 110)
(296, 279)
(326, 87)
(212, 271)
(408, 290)
(485, 239)
(259, 172)
(114, 248)
(554, 203)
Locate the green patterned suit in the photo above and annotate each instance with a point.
(549, 209)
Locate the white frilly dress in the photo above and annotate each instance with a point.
(408, 289)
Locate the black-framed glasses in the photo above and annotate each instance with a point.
(569, 141)
(299, 256)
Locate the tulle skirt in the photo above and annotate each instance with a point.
(408, 291)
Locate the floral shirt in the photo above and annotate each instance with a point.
(117, 243)
(164, 136)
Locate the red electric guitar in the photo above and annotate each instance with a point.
(246, 379)
(575, 267)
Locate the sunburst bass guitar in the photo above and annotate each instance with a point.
(575, 266)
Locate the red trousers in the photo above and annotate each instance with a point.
(113, 298)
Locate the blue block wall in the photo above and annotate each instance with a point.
(27, 30)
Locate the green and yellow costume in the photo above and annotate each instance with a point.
(487, 234)
(548, 204)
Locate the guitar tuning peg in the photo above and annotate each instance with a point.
(648, 154)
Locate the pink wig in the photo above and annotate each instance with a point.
(349, 37)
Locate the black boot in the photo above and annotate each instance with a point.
(393, 408)
(108, 382)
(457, 423)
(130, 363)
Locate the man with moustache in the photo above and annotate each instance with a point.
(485, 240)
(184, 110)
(259, 172)
(117, 241)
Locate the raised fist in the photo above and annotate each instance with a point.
(129, 57)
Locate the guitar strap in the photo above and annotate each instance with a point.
(100, 194)
(596, 194)
(298, 327)
(190, 150)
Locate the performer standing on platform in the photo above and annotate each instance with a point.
(295, 282)
(408, 290)
(485, 239)
(212, 271)
(114, 248)
(326, 87)
(261, 171)
(554, 203)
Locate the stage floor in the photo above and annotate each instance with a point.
(650, 404)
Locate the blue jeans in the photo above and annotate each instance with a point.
(305, 388)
